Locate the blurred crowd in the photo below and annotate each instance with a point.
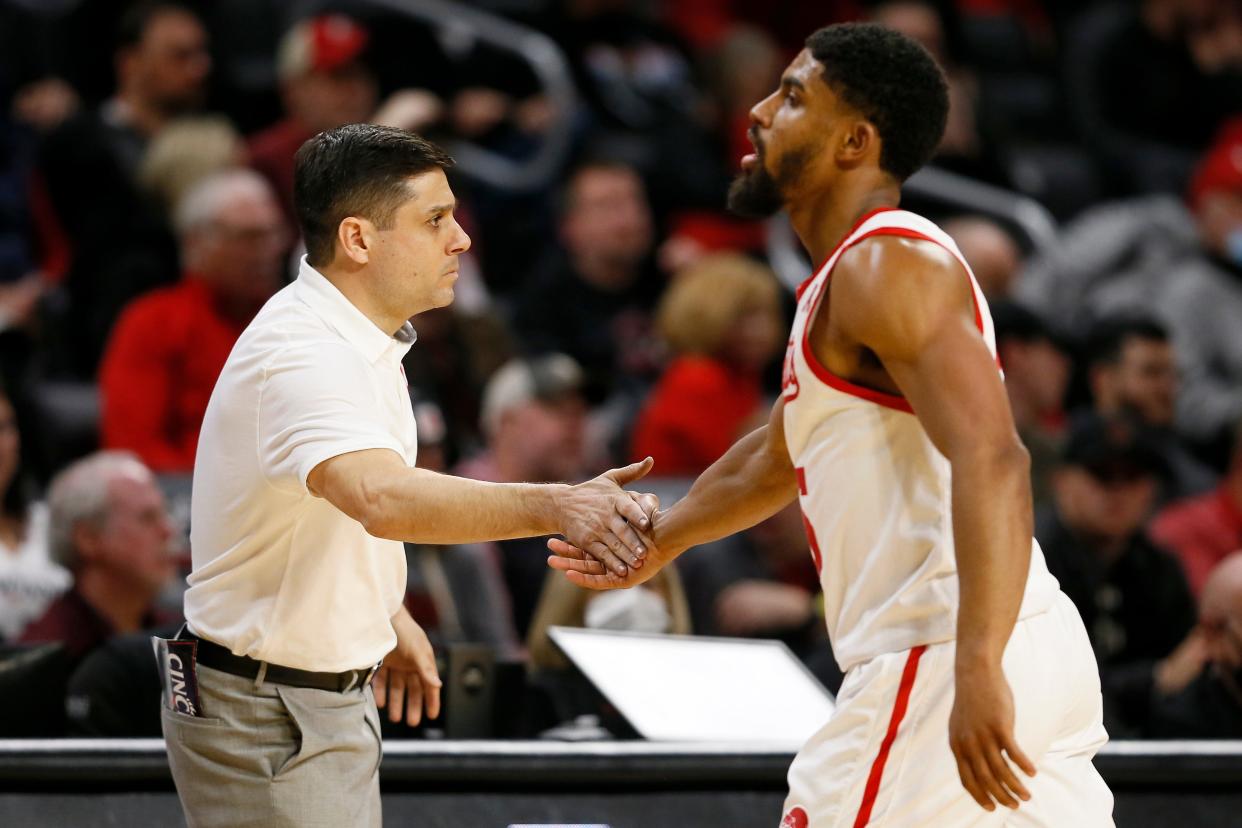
(612, 311)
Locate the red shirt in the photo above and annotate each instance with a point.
(697, 410)
(79, 626)
(271, 154)
(161, 364)
(1201, 531)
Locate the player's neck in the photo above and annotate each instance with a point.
(824, 219)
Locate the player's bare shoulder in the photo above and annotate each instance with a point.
(891, 288)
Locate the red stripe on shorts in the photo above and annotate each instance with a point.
(899, 712)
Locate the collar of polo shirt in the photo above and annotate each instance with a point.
(330, 304)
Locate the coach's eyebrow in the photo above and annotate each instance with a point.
(442, 208)
(791, 81)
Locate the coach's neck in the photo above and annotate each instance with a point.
(366, 293)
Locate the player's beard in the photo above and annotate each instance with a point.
(756, 193)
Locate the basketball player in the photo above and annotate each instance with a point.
(963, 659)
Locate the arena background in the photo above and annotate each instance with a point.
(1091, 173)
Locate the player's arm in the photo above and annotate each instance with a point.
(910, 303)
(392, 500)
(751, 482)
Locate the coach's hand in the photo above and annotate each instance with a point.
(610, 524)
(408, 680)
(981, 737)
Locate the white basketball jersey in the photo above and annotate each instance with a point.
(875, 492)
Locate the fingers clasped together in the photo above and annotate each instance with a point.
(607, 528)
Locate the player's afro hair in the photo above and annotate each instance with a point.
(893, 82)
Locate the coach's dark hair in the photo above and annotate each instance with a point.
(893, 82)
(356, 170)
(1108, 337)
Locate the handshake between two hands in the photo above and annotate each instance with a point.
(609, 532)
(609, 545)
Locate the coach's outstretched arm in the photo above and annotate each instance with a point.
(392, 500)
(911, 304)
(751, 482)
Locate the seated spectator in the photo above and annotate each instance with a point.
(1036, 374)
(1132, 371)
(593, 299)
(119, 243)
(1155, 256)
(1203, 530)
(1211, 706)
(115, 692)
(457, 594)
(722, 322)
(993, 255)
(169, 346)
(1132, 596)
(111, 529)
(324, 83)
(29, 579)
(534, 420)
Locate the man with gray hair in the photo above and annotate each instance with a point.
(169, 346)
(111, 529)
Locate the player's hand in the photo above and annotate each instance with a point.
(408, 681)
(981, 737)
(610, 524)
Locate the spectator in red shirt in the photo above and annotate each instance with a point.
(1204, 530)
(168, 347)
(110, 527)
(722, 320)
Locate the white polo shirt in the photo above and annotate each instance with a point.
(279, 574)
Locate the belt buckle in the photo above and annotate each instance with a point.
(354, 678)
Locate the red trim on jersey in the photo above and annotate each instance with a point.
(894, 723)
(862, 219)
(894, 401)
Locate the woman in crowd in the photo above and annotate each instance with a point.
(29, 579)
(721, 319)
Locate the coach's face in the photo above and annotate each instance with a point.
(415, 259)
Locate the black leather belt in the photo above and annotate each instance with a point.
(211, 654)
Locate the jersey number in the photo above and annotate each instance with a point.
(806, 522)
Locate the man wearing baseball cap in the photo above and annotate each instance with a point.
(325, 82)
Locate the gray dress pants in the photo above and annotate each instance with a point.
(275, 756)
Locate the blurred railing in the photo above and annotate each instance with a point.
(621, 784)
(549, 66)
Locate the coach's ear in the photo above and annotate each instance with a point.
(356, 236)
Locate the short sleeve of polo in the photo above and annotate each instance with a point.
(315, 404)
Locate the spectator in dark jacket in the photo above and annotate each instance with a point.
(594, 300)
(1132, 595)
(1132, 371)
(1211, 706)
